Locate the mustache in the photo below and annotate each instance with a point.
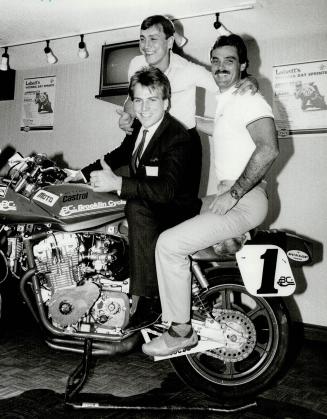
(222, 72)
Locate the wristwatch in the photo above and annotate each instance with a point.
(234, 194)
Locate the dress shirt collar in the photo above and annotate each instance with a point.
(151, 130)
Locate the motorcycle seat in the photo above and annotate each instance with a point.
(223, 251)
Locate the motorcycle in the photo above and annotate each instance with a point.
(68, 248)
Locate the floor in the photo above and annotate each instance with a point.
(27, 363)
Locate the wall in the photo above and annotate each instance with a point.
(298, 191)
(85, 128)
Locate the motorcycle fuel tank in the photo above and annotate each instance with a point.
(77, 206)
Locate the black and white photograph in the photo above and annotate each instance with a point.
(162, 209)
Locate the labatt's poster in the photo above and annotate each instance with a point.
(300, 98)
(38, 103)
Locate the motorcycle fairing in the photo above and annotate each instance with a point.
(265, 270)
(299, 251)
(77, 206)
(16, 208)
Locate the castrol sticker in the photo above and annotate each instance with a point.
(46, 198)
(298, 255)
(265, 270)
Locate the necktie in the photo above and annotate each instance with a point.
(138, 152)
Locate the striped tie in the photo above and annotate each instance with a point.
(138, 152)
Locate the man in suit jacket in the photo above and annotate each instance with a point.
(162, 190)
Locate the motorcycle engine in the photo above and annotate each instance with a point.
(84, 280)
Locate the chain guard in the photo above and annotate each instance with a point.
(239, 333)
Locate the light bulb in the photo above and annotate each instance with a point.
(4, 64)
(51, 58)
(82, 51)
(4, 60)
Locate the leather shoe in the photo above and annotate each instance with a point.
(166, 344)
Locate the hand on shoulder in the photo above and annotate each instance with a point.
(125, 121)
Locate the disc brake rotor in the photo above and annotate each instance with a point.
(239, 333)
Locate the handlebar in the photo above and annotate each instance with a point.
(27, 174)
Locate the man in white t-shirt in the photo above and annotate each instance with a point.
(245, 145)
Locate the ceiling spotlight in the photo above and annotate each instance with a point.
(4, 60)
(217, 24)
(82, 51)
(52, 59)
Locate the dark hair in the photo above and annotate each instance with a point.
(167, 25)
(237, 42)
(153, 78)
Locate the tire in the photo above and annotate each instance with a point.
(237, 382)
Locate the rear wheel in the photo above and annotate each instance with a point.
(235, 374)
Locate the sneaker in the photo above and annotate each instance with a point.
(166, 344)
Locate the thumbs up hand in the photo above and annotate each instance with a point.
(105, 165)
(105, 180)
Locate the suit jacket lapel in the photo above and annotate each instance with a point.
(158, 133)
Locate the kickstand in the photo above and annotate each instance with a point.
(78, 377)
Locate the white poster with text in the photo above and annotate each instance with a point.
(299, 100)
(38, 103)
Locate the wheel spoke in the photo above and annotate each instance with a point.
(229, 370)
(256, 312)
(226, 298)
(260, 349)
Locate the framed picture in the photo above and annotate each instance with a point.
(38, 103)
(300, 98)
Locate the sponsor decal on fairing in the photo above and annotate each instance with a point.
(3, 191)
(7, 206)
(298, 255)
(46, 198)
(75, 197)
(73, 209)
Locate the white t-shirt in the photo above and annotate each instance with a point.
(184, 77)
(233, 145)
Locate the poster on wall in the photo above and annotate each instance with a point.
(38, 103)
(300, 98)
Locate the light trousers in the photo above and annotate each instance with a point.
(206, 229)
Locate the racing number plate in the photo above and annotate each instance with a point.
(265, 270)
